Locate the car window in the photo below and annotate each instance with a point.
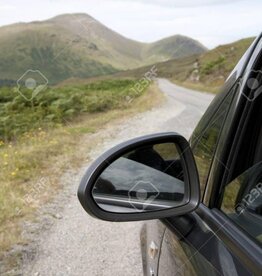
(205, 138)
(242, 201)
(242, 196)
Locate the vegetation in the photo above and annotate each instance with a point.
(213, 65)
(55, 106)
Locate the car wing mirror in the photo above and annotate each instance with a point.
(149, 177)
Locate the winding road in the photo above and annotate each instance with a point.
(77, 244)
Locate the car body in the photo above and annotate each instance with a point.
(222, 234)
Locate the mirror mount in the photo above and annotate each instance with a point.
(192, 193)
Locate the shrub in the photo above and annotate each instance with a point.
(55, 105)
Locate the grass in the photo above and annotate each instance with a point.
(35, 159)
(54, 106)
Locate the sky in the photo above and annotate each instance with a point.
(212, 22)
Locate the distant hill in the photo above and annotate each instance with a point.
(77, 45)
(206, 71)
(176, 46)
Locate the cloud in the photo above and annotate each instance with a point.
(6, 7)
(186, 3)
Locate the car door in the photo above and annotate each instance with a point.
(215, 239)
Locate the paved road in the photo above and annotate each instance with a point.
(192, 103)
(77, 244)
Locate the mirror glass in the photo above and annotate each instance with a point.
(146, 179)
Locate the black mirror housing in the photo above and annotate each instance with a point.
(191, 199)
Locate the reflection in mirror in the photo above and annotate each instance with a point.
(148, 178)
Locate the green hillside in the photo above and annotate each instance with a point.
(77, 45)
(206, 71)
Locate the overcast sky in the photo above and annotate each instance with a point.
(212, 22)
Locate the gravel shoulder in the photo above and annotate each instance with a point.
(67, 241)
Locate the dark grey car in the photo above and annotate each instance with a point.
(206, 194)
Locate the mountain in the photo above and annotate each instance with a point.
(206, 71)
(77, 45)
(176, 46)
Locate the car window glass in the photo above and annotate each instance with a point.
(205, 140)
